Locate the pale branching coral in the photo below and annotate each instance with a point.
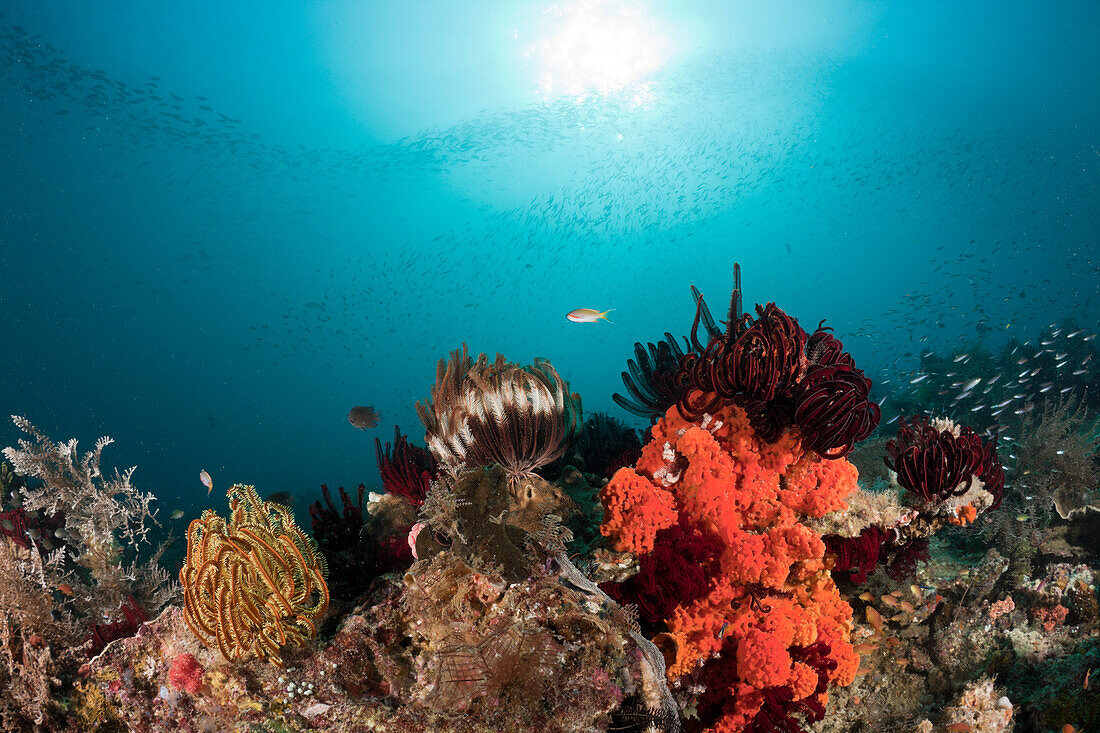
(33, 645)
(485, 413)
(1055, 458)
(105, 518)
(254, 584)
(68, 573)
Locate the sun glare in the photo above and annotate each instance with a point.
(602, 46)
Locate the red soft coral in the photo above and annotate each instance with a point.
(768, 630)
(186, 673)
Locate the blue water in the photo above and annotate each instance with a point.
(313, 202)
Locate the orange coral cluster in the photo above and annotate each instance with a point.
(964, 515)
(770, 593)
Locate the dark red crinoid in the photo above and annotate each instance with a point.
(833, 408)
(337, 531)
(406, 469)
(754, 362)
(858, 556)
(674, 574)
(936, 464)
(781, 378)
(133, 616)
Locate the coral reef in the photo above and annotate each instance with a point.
(979, 708)
(447, 649)
(453, 645)
(254, 584)
(522, 574)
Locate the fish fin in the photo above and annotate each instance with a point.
(604, 315)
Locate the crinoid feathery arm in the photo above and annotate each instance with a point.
(253, 585)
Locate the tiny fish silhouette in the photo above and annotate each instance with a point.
(588, 315)
(281, 497)
(364, 418)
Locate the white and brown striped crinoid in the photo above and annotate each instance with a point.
(484, 413)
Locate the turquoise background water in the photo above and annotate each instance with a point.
(224, 224)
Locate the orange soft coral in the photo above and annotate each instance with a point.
(773, 629)
(635, 511)
(964, 515)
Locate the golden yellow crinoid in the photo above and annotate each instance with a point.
(253, 585)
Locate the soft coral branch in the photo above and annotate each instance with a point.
(406, 469)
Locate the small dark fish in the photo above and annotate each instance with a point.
(281, 497)
(364, 418)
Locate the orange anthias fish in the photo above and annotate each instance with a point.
(587, 315)
(874, 618)
(206, 481)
